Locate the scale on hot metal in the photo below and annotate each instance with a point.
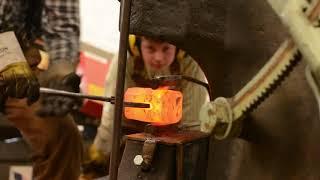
(161, 151)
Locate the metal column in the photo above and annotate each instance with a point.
(122, 59)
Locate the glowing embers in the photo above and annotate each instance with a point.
(165, 105)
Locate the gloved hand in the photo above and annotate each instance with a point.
(18, 81)
(16, 77)
(32, 55)
(97, 165)
(56, 78)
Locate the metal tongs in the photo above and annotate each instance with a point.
(84, 96)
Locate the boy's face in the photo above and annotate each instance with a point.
(157, 55)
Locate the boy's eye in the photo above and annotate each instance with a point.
(165, 49)
(151, 49)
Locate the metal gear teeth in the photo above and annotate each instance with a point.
(276, 83)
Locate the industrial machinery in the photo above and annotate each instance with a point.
(246, 49)
(231, 40)
(162, 151)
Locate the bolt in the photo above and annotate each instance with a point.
(138, 159)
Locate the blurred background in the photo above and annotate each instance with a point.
(99, 43)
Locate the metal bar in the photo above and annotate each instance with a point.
(71, 94)
(136, 105)
(204, 84)
(163, 79)
(179, 162)
(122, 59)
(98, 98)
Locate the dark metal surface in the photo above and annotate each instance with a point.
(148, 150)
(122, 59)
(177, 159)
(198, 27)
(163, 164)
(179, 162)
(136, 105)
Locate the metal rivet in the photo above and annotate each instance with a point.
(138, 159)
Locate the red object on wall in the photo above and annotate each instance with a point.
(93, 70)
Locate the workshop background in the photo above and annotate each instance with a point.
(99, 42)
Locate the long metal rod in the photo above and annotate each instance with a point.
(84, 96)
(71, 94)
(172, 78)
(122, 59)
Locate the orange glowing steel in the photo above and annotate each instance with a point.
(165, 105)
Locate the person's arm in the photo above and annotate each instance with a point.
(60, 32)
(104, 135)
(194, 95)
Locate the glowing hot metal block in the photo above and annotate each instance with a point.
(165, 105)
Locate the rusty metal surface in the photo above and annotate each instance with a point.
(271, 75)
(179, 162)
(160, 171)
(186, 161)
(282, 133)
(281, 136)
(148, 150)
(170, 137)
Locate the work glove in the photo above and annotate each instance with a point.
(59, 77)
(16, 78)
(98, 162)
(33, 56)
(18, 81)
(97, 165)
